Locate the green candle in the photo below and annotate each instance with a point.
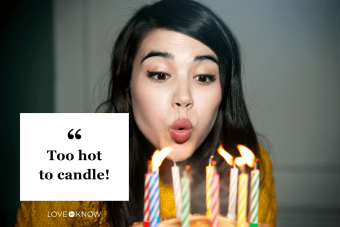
(185, 183)
(255, 192)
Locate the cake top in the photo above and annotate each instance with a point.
(196, 220)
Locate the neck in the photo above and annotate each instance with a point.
(165, 171)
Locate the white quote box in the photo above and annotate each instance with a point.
(104, 136)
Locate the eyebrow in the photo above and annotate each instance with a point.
(170, 56)
(206, 57)
(158, 54)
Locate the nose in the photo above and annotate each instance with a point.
(182, 97)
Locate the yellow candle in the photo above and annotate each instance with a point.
(242, 193)
(247, 158)
(242, 200)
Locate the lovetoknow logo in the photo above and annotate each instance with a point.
(65, 214)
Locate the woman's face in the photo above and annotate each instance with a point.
(175, 91)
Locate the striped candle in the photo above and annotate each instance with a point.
(154, 199)
(249, 204)
(146, 220)
(232, 193)
(177, 189)
(242, 200)
(215, 200)
(209, 173)
(255, 192)
(185, 201)
(233, 182)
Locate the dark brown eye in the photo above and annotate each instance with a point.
(161, 76)
(205, 79)
(202, 79)
(158, 76)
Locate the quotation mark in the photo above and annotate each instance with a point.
(70, 136)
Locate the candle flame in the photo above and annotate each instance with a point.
(248, 156)
(228, 158)
(159, 156)
(240, 162)
(213, 163)
(187, 167)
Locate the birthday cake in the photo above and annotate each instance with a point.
(196, 220)
(181, 187)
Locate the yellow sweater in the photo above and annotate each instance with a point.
(40, 213)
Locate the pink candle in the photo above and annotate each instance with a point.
(177, 189)
(232, 193)
(146, 220)
(215, 200)
(209, 173)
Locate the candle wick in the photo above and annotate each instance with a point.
(256, 164)
(173, 159)
(210, 159)
(243, 169)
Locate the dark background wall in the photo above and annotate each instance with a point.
(26, 86)
(290, 53)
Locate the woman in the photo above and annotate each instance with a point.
(176, 69)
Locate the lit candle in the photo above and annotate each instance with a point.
(247, 158)
(215, 200)
(146, 220)
(154, 198)
(242, 194)
(177, 189)
(157, 160)
(255, 192)
(185, 182)
(247, 154)
(233, 182)
(209, 172)
(232, 193)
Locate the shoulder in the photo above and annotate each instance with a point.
(48, 205)
(264, 161)
(268, 208)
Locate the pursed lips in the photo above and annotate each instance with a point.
(181, 130)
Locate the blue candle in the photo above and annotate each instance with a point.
(154, 199)
(157, 160)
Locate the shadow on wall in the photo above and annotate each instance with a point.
(26, 69)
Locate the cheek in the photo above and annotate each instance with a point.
(143, 105)
(207, 110)
(149, 110)
(148, 102)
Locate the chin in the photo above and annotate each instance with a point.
(181, 152)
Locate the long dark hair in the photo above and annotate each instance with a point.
(233, 125)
